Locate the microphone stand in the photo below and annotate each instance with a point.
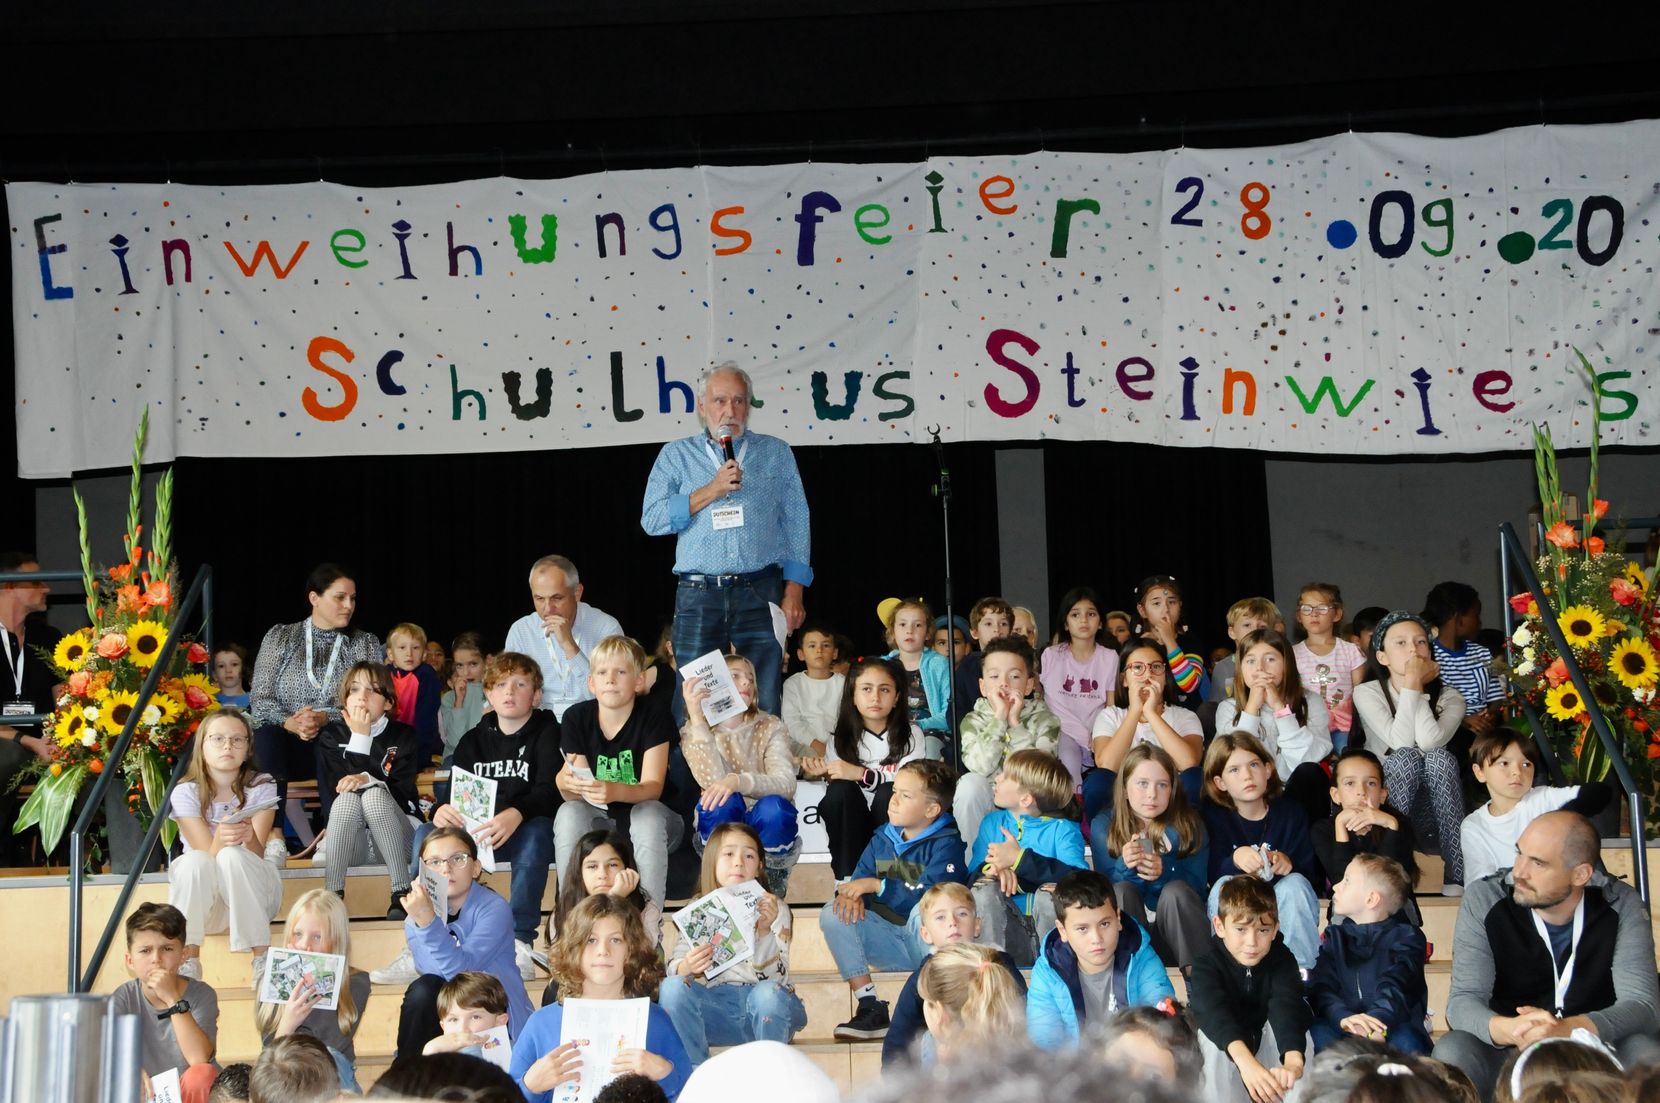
(942, 491)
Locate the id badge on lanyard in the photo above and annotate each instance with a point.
(727, 514)
(16, 704)
(1563, 974)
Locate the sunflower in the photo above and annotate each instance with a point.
(1634, 663)
(144, 640)
(168, 707)
(112, 716)
(202, 684)
(1635, 575)
(71, 724)
(71, 652)
(1564, 702)
(1582, 625)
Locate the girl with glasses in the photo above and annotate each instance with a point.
(471, 929)
(222, 880)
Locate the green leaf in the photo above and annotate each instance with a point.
(29, 814)
(1594, 763)
(155, 788)
(59, 799)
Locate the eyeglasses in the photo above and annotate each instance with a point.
(1147, 668)
(227, 741)
(1315, 610)
(454, 861)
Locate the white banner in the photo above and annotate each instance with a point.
(1358, 294)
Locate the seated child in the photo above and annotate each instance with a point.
(927, 674)
(917, 847)
(1256, 831)
(1095, 962)
(873, 738)
(1408, 718)
(603, 954)
(222, 881)
(372, 795)
(1143, 712)
(1369, 980)
(948, 917)
(1117, 624)
(178, 1017)
(1032, 822)
(461, 706)
(603, 861)
(1157, 855)
(230, 674)
(1328, 664)
(471, 930)
(1364, 822)
(1155, 1044)
(1244, 617)
(950, 638)
(969, 1001)
(812, 696)
(1159, 610)
(469, 1004)
(1079, 677)
(750, 1002)
(517, 744)
(745, 769)
(295, 1069)
(992, 618)
(1003, 720)
(1359, 630)
(1504, 762)
(1023, 623)
(318, 924)
(1270, 703)
(626, 751)
(1246, 995)
(231, 1085)
(416, 687)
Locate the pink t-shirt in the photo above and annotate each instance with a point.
(1330, 676)
(187, 801)
(1076, 692)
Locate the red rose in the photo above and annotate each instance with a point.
(196, 653)
(194, 698)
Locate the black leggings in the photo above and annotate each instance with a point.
(418, 1018)
(850, 823)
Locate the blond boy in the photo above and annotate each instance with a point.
(1022, 849)
(1244, 617)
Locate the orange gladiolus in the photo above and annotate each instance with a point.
(129, 600)
(1599, 509)
(121, 573)
(1594, 545)
(159, 595)
(1563, 535)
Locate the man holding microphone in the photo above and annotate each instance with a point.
(734, 501)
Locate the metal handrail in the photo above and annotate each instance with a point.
(201, 591)
(1512, 553)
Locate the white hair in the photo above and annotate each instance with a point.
(558, 563)
(725, 367)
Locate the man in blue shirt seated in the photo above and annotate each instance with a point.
(734, 501)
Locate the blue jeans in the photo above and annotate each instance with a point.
(1408, 1037)
(773, 818)
(529, 850)
(707, 618)
(1097, 788)
(1299, 915)
(730, 1014)
(872, 943)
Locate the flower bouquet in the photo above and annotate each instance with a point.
(103, 668)
(1605, 606)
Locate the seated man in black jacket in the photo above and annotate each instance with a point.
(1578, 953)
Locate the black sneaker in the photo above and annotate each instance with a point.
(395, 911)
(869, 1022)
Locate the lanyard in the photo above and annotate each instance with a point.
(328, 671)
(17, 663)
(1564, 973)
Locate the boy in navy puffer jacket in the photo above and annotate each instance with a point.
(1369, 979)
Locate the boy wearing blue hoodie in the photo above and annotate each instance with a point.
(1033, 793)
(1095, 963)
(872, 920)
(1369, 979)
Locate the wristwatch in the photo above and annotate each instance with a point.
(180, 1008)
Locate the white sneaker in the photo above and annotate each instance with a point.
(319, 856)
(276, 850)
(401, 971)
(528, 960)
(1452, 890)
(191, 967)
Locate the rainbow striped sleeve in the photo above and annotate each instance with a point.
(1186, 669)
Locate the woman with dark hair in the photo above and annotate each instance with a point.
(297, 678)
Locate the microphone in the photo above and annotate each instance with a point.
(726, 440)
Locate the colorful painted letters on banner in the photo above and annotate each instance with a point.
(1360, 294)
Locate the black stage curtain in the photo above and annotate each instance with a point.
(447, 541)
(1121, 512)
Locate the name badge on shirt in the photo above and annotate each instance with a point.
(726, 517)
(17, 708)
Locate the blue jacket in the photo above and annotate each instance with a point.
(1374, 969)
(480, 939)
(1055, 1000)
(1192, 868)
(936, 686)
(1044, 836)
(907, 868)
(541, 1036)
(1285, 829)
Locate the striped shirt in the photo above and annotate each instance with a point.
(1467, 670)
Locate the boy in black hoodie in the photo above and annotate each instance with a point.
(1247, 996)
(1369, 980)
(1364, 823)
(516, 744)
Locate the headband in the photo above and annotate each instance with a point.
(1580, 1036)
(1389, 620)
